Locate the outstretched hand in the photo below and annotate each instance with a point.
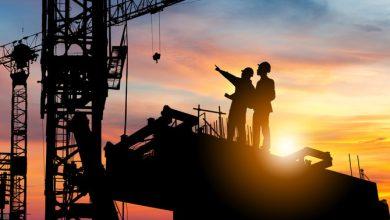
(217, 68)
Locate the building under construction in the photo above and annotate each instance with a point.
(177, 162)
(173, 163)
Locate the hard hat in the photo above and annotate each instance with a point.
(247, 71)
(265, 66)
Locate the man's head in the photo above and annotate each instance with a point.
(263, 68)
(247, 73)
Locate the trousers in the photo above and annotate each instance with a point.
(236, 120)
(260, 123)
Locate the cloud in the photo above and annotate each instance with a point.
(296, 11)
(369, 28)
(376, 140)
(330, 61)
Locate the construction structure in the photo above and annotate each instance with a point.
(17, 58)
(79, 64)
(176, 162)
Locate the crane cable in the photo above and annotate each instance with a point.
(126, 102)
(156, 55)
(127, 80)
(159, 32)
(151, 31)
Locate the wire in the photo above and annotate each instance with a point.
(127, 81)
(159, 32)
(126, 97)
(151, 30)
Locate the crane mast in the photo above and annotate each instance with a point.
(22, 55)
(16, 58)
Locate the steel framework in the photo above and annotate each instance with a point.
(16, 58)
(70, 73)
(79, 65)
(18, 177)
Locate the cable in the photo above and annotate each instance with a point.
(126, 99)
(159, 32)
(151, 30)
(127, 80)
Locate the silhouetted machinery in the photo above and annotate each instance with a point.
(16, 59)
(79, 65)
(170, 165)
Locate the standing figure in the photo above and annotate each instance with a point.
(240, 101)
(264, 94)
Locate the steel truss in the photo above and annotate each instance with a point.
(79, 65)
(77, 71)
(67, 80)
(18, 178)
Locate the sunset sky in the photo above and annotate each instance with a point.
(330, 62)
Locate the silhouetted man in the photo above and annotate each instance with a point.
(264, 94)
(237, 113)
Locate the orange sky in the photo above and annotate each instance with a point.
(330, 62)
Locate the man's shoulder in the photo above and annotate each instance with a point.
(265, 82)
(269, 81)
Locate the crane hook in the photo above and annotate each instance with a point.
(156, 57)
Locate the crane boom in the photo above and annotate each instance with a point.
(33, 41)
(117, 14)
(130, 9)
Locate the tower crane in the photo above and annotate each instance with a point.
(16, 58)
(79, 65)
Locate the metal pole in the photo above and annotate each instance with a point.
(198, 117)
(251, 135)
(123, 210)
(222, 129)
(350, 164)
(48, 53)
(360, 176)
(220, 121)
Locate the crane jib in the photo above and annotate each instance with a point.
(116, 15)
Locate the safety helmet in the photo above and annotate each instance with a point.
(247, 72)
(265, 66)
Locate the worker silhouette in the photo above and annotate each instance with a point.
(263, 95)
(240, 101)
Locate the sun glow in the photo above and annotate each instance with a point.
(285, 146)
